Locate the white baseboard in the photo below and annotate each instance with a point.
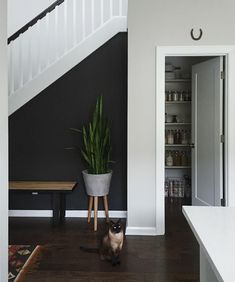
(30, 213)
(69, 213)
(143, 231)
(101, 214)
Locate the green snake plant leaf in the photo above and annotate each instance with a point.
(76, 130)
(96, 141)
(86, 157)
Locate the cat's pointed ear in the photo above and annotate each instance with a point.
(111, 222)
(119, 220)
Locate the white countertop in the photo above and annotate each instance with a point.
(214, 228)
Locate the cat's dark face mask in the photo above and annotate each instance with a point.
(116, 227)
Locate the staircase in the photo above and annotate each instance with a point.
(56, 41)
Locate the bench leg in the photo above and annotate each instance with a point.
(56, 207)
(62, 206)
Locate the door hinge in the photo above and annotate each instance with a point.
(223, 202)
(222, 139)
(222, 75)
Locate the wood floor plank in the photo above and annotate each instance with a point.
(170, 258)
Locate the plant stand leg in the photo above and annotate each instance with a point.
(95, 212)
(90, 208)
(106, 207)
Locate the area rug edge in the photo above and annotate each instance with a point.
(32, 258)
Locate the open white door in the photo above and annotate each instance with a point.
(207, 129)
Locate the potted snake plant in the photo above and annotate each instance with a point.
(96, 153)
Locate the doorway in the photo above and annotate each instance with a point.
(228, 52)
(194, 89)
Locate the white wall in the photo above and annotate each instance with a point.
(154, 23)
(21, 12)
(3, 145)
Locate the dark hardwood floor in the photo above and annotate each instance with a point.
(173, 257)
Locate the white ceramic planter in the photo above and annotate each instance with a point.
(97, 184)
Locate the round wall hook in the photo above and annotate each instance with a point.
(194, 37)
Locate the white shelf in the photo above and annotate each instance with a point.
(177, 167)
(177, 145)
(178, 80)
(177, 123)
(177, 102)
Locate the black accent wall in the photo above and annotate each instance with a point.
(39, 131)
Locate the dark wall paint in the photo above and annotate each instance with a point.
(39, 131)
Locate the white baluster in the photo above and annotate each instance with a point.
(20, 61)
(83, 20)
(11, 68)
(65, 26)
(92, 16)
(38, 62)
(56, 34)
(47, 53)
(30, 73)
(124, 7)
(102, 12)
(74, 9)
(120, 8)
(111, 9)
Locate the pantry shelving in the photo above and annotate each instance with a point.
(177, 167)
(177, 102)
(178, 135)
(178, 145)
(188, 80)
(177, 123)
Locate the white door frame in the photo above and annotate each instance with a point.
(229, 158)
(3, 144)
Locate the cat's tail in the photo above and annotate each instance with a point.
(89, 250)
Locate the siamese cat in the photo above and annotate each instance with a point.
(111, 243)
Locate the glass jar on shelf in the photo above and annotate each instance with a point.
(177, 158)
(175, 188)
(171, 188)
(169, 158)
(174, 118)
(175, 96)
(166, 187)
(170, 137)
(184, 160)
(184, 137)
(169, 96)
(177, 136)
(181, 96)
(181, 189)
(188, 95)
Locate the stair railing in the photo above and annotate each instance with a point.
(53, 33)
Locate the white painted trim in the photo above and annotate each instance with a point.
(30, 213)
(160, 143)
(3, 144)
(161, 53)
(101, 213)
(69, 213)
(143, 231)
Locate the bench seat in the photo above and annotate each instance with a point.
(58, 190)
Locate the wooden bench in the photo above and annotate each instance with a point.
(57, 189)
